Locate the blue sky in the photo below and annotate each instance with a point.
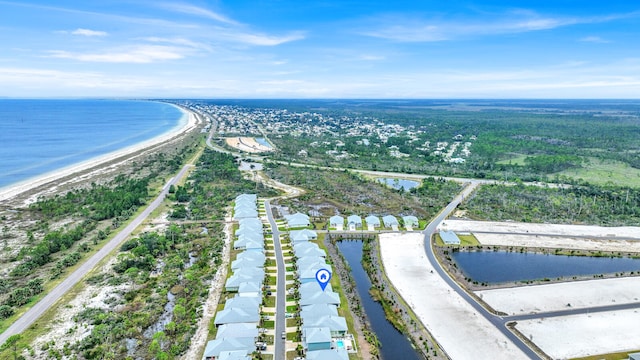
(320, 49)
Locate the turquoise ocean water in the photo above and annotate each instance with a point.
(41, 136)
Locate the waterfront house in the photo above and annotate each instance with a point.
(336, 324)
(449, 237)
(234, 355)
(302, 235)
(317, 310)
(322, 297)
(333, 354)
(316, 338)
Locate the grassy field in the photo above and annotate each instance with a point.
(516, 160)
(613, 356)
(465, 240)
(606, 172)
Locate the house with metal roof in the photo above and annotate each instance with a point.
(246, 262)
(309, 289)
(372, 221)
(237, 315)
(410, 221)
(248, 244)
(389, 221)
(243, 213)
(237, 330)
(634, 356)
(308, 274)
(216, 347)
(316, 338)
(317, 310)
(297, 220)
(245, 230)
(333, 354)
(336, 324)
(242, 302)
(307, 261)
(302, 249)
(252, 255)
(302, 235)
(250, 289)
(336, 221)
(234, 355)
(450, 238)
(247, 197)
(354, 221)
(250, 222)
(323, 297)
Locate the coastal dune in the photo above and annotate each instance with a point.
(191, 122)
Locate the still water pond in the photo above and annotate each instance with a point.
(399, 183)
(394, 345)
(502, 266)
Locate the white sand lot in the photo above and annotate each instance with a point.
(553, 297)
(565, 236)
(458, 328)
(583, 335)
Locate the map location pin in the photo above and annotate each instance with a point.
(322, 277)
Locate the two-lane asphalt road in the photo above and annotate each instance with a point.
(497, 321)
(54, 295)
(281, 296)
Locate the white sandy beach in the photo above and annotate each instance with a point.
(188, 123)
(583, 335)
(553, 297)
(458, 328)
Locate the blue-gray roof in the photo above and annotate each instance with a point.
(333, 354)
(336, 220)
(390, 220)
(215, 347)
(354, 219)
(449, 237)
(372, 220)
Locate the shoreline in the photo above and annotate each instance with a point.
(187, 122)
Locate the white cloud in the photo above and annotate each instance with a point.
(411, 29)
(136, 55)
(198, 11)
(179, 41)
(594, 39)
(262, 39)
(88, 32)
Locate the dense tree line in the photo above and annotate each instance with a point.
(580, 204)
(99, 202)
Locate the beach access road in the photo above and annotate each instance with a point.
(32, 315)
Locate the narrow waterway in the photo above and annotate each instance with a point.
(394, 345)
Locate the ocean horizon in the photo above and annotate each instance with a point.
(42, 136)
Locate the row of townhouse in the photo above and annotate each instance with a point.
(238, 322)
(324, 332)
(373, 222)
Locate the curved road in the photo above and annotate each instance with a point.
(31, 315)
(497, 321)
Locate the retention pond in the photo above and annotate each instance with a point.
(394, 345)
(494, 267)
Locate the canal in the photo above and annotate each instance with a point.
(394, 345)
